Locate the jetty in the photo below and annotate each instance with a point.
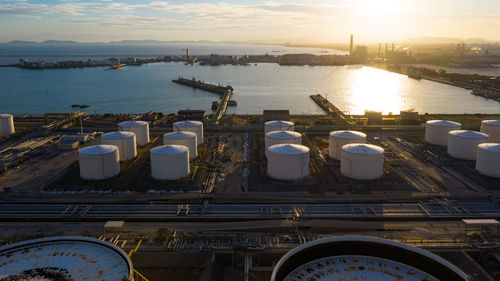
(332, 110)
(225, 93)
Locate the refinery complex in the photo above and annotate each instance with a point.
(250, 197)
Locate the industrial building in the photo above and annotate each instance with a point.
(278, 125)
(463, 144)
(339, 138)
(140, 128)
(169, 162)
(125, 141)
(288, 161)
(280, 137)
(436, 131)
(191, 126)
(99, 162)
(492, 129)
(6, 124)
(185, 138)
(362, 161)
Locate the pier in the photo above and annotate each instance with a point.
(225, 93)
(332, 110)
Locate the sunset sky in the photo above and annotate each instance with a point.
(308, 21)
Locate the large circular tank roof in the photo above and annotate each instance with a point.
(283, 134)
(180, 135)
(169, 149)
(468, 134)
(118, 135)
(347, 134)
(443, 123)
(188, 124)
(98, 149)
(64, 258)
(279, 123)
(363, 149)
(352, 258)
(491, 147)
(491, 122)
(130, 124)
(289, 149)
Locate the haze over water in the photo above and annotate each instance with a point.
(138, 89)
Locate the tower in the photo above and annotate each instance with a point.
(351, 45)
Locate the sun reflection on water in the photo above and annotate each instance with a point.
(374, 89)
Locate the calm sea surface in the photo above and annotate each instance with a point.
(136, 89)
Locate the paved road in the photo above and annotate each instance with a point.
(434, 209)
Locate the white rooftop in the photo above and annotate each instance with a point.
(444, 123)
(348, 134)
(98, 149)
(69, 258)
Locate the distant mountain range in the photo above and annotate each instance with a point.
(111, 42)
(444, 40)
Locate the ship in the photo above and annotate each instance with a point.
(116, 66)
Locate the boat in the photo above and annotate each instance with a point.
(116, 66)
(80, 105)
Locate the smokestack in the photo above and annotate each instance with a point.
(379, 50)
(352, 45)
(393, 47)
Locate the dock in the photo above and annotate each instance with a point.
(224, 92)
(332, 110)
(197, 84)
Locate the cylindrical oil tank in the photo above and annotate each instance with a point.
(278, 125)
(340, 138)
(278, 137)
(462, 144)
(492, 128)
(140, 128)
(6, 124)
(169, 162)
(362, 161)
(125, 142)
(436, 131)
(99, 162)
(288, 161)
(182, 138)
(488, 159)
(191, 126)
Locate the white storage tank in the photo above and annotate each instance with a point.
(492, 128)
(488, 159)
(187, 139)
(191, 126)
(140, 128)
(362, 161)
(288, 161)
(169, 162)
(125, 141)
(462, 144)
(6, 124)
(279, 137)
(436, 131)
(99, 162)
(278, 126)
(339, 138)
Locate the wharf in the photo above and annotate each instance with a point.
(221, 90)
(332, 110)
(225, 93)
